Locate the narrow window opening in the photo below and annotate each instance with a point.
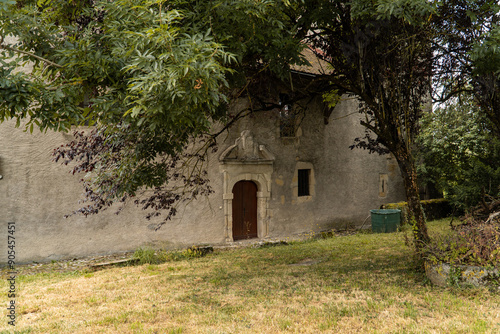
(303, 182)
(383, 182)
(287, 117)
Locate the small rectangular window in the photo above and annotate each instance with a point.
(304, 182)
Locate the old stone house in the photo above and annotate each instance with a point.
(277, 174)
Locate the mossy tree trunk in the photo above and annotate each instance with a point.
(415, 213)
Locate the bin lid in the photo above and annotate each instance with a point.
(385, 211)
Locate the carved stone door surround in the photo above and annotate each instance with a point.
(246, 160)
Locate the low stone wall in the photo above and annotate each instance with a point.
(445, 274)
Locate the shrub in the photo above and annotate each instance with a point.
(433, 209)
(152, 256)
(436, 208)
(470, 244)
(146, 255)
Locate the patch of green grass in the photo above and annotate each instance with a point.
(137, 327)
(285, 324)
(410, 311)
(147, 255)
(24, 331)
(481, 326)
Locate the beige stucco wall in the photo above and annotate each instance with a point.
(36, 193)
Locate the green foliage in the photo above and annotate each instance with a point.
(433, 209)
(149, 255)
(485, 58)
(16, 92)
(459, 153)
(486, 54)
(455, 277)
(197, 251)
(411, 11)
(5, 4)
(154, 78)
(136, 63)
(403, 206)
(469, 244)
(140, 61)
(24, 331)
(332, 98)
(389, 76)
(436, 208)
(468, 57)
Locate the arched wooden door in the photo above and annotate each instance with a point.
(244, 210)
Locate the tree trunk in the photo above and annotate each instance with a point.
(415, 213)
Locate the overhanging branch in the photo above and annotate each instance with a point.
(5, 47)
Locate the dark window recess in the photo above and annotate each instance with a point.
(304, 175)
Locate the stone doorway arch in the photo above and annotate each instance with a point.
(247, 161)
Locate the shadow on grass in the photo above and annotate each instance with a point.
(353, 262)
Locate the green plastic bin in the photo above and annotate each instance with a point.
(385, 220)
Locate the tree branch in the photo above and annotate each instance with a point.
(29, 54)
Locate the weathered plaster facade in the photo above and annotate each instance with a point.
(342, 186)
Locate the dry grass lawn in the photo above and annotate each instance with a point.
(362, 283)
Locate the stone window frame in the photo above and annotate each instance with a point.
(287, 122)
(295, 182)
(383, 188)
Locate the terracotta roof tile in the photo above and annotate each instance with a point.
(318, 66)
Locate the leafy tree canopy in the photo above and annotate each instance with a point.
(142, 59)
(466, 51)
(485, 58)
(460, 153)
(460, 139)
(152, 76)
